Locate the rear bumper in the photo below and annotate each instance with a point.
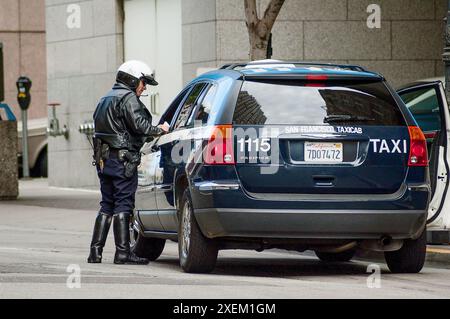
(323, 224)
(225, 209)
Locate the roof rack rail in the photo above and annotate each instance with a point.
(233, 66)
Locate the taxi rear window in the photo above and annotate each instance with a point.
(273, 102)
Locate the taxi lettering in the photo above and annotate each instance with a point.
(351, 130)
(389, 146)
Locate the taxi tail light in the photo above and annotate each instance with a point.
(220, 146)
(316, 80)
(316, 77)
(418, 154)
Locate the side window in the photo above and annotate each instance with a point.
(424, 106)
(188, 106)
(172, 109)
(204, 108)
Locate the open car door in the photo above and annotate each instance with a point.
(427, 103)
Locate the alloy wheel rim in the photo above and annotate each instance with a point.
(186, 240)
(133, 235)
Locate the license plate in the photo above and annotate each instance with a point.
(323, 152)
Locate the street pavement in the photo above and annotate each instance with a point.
(44, 241)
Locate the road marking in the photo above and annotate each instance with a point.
(75, 189)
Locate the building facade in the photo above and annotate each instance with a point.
(22, 33)
(88, 40)
(408, 45)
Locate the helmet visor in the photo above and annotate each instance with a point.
(149, 79)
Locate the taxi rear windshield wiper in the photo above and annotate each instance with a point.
(346, 118)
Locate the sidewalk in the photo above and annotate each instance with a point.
(36, 192)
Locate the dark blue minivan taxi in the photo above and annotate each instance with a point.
(297, 156)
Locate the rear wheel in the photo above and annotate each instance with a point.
(410, 258)
(144, 247)
(336, 257)
(197, 253)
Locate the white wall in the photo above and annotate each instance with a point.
(82, 64)
(152, 33)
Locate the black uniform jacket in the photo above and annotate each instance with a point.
(122, 121)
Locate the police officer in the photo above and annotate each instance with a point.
(122, 125)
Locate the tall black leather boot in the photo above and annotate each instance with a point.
(122, 238)
(101, 228)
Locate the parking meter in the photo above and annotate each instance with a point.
(23, 92)
(24, 99)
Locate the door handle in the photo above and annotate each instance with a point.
(155, 148)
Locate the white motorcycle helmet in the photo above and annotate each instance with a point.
(132, 71)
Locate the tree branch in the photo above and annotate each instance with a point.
(271, 13)
(251, 12)
(259, 29)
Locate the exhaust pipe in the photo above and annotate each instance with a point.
(385, 241)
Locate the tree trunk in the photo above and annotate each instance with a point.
(259, 29)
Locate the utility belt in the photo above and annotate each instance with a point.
(119, 154)
(103, 151)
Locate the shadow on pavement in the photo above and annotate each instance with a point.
(280, 267)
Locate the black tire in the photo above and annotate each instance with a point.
(336, 257)
(197, 253)
(410, 258)
(145, 247)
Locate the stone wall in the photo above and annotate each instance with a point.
(408, 46)
(200, 36)
(22, 32)
(82, 63)
(9, 186)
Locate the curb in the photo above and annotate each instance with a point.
(438, 255)
(434, 255)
